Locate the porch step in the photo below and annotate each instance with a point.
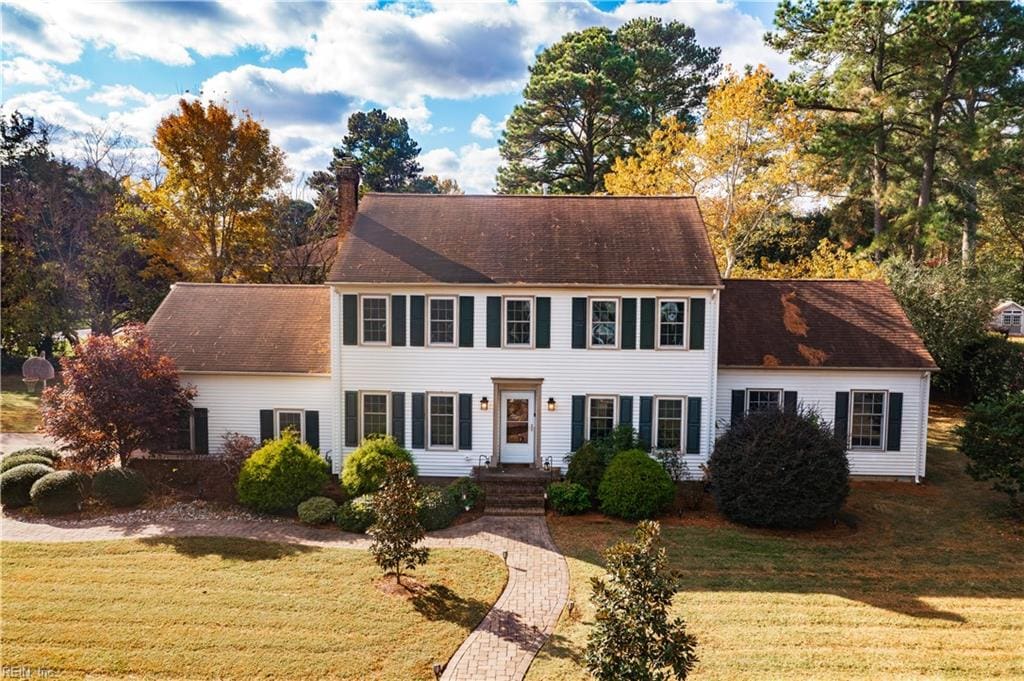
(514, 490)
(500, 510)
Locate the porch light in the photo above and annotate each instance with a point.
(484, 403)
(551, 404)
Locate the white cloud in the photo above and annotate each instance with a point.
(119, 95)
(482, 127)
(473, 166)
(415, 112)
(24, 71)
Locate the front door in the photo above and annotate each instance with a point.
(517, 427)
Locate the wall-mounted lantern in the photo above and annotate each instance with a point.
(551, 404)
(484, 403)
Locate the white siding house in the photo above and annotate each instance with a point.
(1008, 317)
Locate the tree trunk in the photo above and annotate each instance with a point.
(879, 180)
(730, 261)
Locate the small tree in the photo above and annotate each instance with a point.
(117, 395)
(633, 637)
(397, 529)
(992, 437)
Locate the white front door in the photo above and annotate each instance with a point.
(517, 427)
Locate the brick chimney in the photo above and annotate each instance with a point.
(348, 196)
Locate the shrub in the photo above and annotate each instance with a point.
(778, 469)
(317, 510)
(568, 498)
(438, 509)
(364, 468)
(16, 483)
(992, 367)
(397, 529)
(464, 487)
(621, 439)
(992, 438)
(635, 486)
(119, 486)
(355, 515)
(586, 468)
(12, 460)
(51, 454)
(281, 474)
(59, 492)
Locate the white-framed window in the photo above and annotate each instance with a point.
(762, 399)
(440, 421)
(668, 423)
(185, 434)
(375, 414)
(672, 323)
(1012, 319)
(518, 322)
(375, 320)
(867, 419)
(601, 413)
(604, 322)
(289, 419)
(441, 321)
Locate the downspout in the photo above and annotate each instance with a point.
(922, 448)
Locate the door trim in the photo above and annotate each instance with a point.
(516, 385)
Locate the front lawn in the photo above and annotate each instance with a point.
(19, 409)
(204, 608)
(930, 585)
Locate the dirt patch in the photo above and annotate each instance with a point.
(409, 589)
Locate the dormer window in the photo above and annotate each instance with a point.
(603, 323)
(375, 320)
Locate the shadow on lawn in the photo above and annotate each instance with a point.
(437, 602)
(229, 548)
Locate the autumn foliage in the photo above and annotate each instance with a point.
(117, 395)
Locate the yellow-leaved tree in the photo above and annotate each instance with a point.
(744, 163)
(828, 260)
(215, 201)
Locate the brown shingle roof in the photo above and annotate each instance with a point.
(800, 323)
(416, 238)
(251, 328)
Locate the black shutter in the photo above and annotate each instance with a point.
(739, 405)
(398, 417)
(416, 320)
(313, 429)
(466, 321)
(418, 423)
(579, 408)
(646, 410)
(789, 401)
(579, 323)
(647, 323)
(693, 425)
(543, 322)
(350, 319)
(351, 418)
(696, 323)
(266, 424)
(201, 424)
(629, 323)
(625, 410)
(841, 421)
(494, 321)
(398, 320)
(893, 432)
(465, 421)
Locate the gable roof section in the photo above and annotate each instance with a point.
(245, 328)
(1006, 305)
(816, 323)
(596, 240)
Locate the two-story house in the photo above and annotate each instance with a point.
(510, 329)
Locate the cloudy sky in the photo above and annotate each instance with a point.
(453, 70)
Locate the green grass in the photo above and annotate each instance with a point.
(19, 409)
(205, 608)
(930, 585)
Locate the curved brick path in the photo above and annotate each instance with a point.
(501, 647)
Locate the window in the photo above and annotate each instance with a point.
(442, 421)
(184, 435)
(672, 324)
(669, 426)
(442, 321)
(375, 414)
(375, 320)
(1012, 319)
(763, 400)
(289, 420)
(867, 419)
(602, 417)
(517, 321)
(602, 323)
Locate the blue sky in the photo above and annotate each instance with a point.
(454, 70)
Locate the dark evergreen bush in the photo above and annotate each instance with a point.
(317, 510)
(355, 515)
(778, 469)
(992, 438)
(467, 492)
(280, 475)
(586, 468)
(635, 486)
(621, 439)
(18, 459)
(993, 367)
(568, 498)
(364, 468)
(119, 486)
(438, 508)
(16, 483)
(59, 492)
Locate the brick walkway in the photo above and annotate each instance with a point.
(500, 648)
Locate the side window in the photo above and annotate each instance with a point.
(669, 424)
(375, 319)
(600, 417)
(672, 324)
(763, 400)
(442, 321)
(867, 419)
(441, 421)
(375, 414)
(518, 322)
(603, 323)
(289, 420)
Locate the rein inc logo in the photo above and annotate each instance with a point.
(24, 672)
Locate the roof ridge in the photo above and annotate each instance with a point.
(846, 280)
(532, 196)
(213, 284)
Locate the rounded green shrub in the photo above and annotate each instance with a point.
(16, 483)
(778, 469)
(438, 508)
(317, 510)
(281, 474)
(12, 460)
(586, 468)
(635, 486)
(364, 468)
(45, 452)
(568, 498)
(465, 492)
(356, 515)
(59, 492)
(119, 486)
